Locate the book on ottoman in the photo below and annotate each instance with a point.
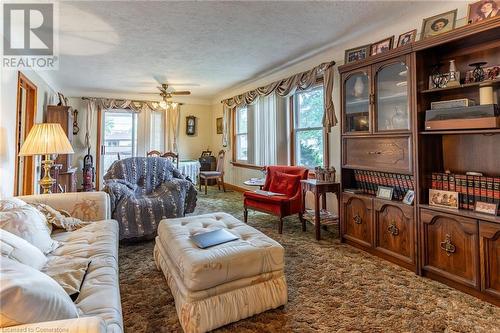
(212, 238)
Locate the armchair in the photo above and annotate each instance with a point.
(280, 179)
(145, 190)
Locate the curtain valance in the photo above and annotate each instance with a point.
(134, 106)
(290, 85)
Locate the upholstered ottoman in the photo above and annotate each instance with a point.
(222, 284)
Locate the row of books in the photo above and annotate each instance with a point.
(470, 188)
(369, 181)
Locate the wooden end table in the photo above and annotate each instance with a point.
(319, 189)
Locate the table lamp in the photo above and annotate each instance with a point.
(46, 139)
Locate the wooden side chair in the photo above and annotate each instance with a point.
(153, 153)
(172, 157)
(218, 174)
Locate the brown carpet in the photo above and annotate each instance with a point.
(332, 287)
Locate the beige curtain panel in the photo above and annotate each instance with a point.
(290, 85)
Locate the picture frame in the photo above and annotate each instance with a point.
(482, 10)
(407, 38)
(356, 54)
(218, 125)
(486, 208)
(438, 24)
(190, 125)
(445, 199)
(409, 197)
(385, 192)
(382, 46)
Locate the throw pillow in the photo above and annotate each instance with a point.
(59, 219)
(28, 223)
(10, 203)
(69, 272)
(29, 296)
(285, 184)
(18, 249)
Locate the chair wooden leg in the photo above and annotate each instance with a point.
(280, 227)
(218, 184)
(223, 186)
(303, 221)
(245, 214)
(206, 182)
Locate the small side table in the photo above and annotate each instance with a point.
(319, 189)
(255, 182)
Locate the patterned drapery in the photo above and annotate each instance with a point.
(289, 86)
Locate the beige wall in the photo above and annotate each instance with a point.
(8, 108)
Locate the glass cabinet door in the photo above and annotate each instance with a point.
(357, 103)
(391, 94)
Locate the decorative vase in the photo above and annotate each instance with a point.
(478, 72)
(453, 79)
(359, 87)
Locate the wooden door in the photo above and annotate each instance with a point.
(450, 247)
(357, 212)
(394, 229)
(489, 242)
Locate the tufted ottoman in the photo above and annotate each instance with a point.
(224, 283)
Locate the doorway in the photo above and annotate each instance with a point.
(24, 181)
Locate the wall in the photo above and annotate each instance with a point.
(237, 175)
(46, 94)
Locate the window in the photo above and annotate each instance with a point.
(261, 132)
(308, 128)
(119, 136)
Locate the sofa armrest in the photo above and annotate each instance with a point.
(77, 325)
(87, 206)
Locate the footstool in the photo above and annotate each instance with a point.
(222, 284)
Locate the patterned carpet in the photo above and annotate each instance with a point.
(332, 287)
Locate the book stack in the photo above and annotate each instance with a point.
(470, 188)
(369, 181)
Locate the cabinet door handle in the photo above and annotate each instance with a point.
(447, 245)
(374, 152)
(357, 219)
(393, 229)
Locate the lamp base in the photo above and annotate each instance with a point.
(47, 181)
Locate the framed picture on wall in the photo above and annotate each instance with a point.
(483, 10)
(438, 24)
(218, 125)
(381, 46)
(357, 53)
(190, 125)
(407, 37)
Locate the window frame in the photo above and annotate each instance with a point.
(236, 134)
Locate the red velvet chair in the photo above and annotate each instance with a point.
(280, 179)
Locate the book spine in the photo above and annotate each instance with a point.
(458, 188)
(434, 181)
(451, 183)
(477, 190)
(371, 180)
(445, 182)
(412, 182)
(400, 186)
(470, 192)
(496, 192)
(483, 190)
(439, 181)
(489, 190)
(465, 194)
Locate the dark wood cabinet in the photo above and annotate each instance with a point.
(395, 230)
(357, 222)
(62, 115)
(489, 244)
(450, 247)
(390, 154)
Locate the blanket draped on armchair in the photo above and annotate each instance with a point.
(143, 191)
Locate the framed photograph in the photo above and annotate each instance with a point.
(407, 37)
(483, 10)
(190, 125)
(446, 199)
(384, 192)
(218, 125)
(357, 53)
(381, 46)
(438, 24)
(486, 207)
(409, 197)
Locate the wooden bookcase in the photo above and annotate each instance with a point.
(413, 236)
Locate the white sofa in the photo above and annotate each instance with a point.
(99, 303)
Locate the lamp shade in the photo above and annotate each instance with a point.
(46, 139)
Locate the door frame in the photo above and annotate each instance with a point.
(27, 122)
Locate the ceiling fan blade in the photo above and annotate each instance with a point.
(160, 78)
(181, 92)
(160, 88)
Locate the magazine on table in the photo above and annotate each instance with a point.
(268, 193)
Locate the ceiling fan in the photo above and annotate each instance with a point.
(165, 94)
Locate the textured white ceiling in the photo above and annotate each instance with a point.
(118, 48)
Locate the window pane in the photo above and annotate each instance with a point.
(242, 120)
(309, 110)
(120, 136)
(157, 138)
(309, 148)
(242, 147)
